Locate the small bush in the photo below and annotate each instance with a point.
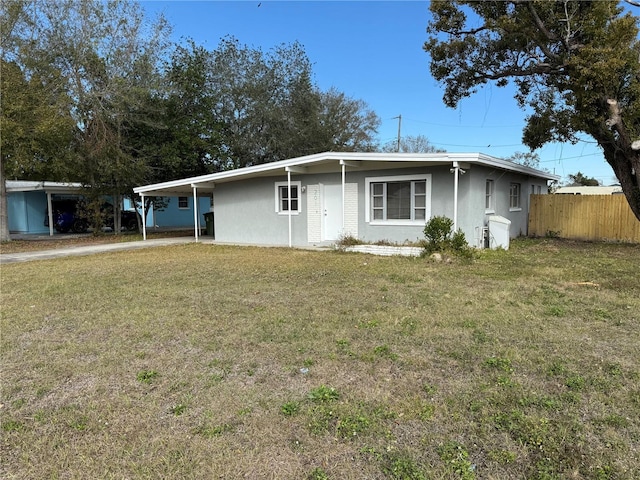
(458, 241)
(438, 233)
(441, 239)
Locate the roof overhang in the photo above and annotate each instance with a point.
(330, 162)
(47, 187)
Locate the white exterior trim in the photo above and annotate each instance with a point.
(277, 198)
(424, 159)
(396, 178)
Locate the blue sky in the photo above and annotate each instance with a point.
(372, 50)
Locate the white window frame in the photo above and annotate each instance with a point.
(490, 197)
(400, 178)
(181, 207)
(278, 186)
(517, 205)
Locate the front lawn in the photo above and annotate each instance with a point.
(206, 361)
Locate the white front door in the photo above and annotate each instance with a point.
(332, 212)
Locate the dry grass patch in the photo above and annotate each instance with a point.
(202, 361)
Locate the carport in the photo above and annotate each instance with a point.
(20, 206)
(176, 189)
(204, 185)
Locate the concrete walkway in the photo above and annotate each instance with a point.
(114, 247)
(90, 249)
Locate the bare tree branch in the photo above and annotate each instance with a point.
(460, 33)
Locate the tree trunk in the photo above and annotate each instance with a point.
(4, 218)
(117, 214)
(626, 166)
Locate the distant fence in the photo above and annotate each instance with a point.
(584, 217)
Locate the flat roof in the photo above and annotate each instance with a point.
(328, 162)
(47, 187)
(589, 190)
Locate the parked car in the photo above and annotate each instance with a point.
(69, 215)
(66, 217)
(128, 218)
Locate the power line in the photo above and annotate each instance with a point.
(476, 146)
(462, 126)
(571, 158)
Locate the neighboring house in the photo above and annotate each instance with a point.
(584, 190)
(31, 205)
(176, 212)
(28, 204)
(316, 199)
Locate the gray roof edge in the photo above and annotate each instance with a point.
(34, 185)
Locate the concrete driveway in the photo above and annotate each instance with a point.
(91, 249)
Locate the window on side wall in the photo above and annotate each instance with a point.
(403, 199)
(183, 202)
(283, 202)
(514, 197)
(489, 197)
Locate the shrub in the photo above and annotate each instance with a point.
(438, 233)
(440, 238)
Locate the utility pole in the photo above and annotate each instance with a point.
(399, 117)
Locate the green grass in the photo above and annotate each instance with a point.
(203, 361)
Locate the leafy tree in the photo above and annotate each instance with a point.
(104, 57)
(528, 159)
(270, 109)
(37, 132)
(37, 128)
(574, 63)
(347, 123)
(181, 136)
(579, 179)
(411, 144)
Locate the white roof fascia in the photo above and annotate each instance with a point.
(590, 190)
(295, 169)
(347, 158)
(507, 165)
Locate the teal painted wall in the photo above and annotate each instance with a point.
(174, 216)
(27, 212)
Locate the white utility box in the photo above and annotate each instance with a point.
(499, 232)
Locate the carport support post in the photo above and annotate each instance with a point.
(50, 213)
(456, 173)
(144, 218)
(196, 220)
(344, 178)
(289, 197)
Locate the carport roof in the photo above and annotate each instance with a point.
(332, 162)
(47, 187)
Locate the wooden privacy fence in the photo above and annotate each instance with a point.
(584, 217)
